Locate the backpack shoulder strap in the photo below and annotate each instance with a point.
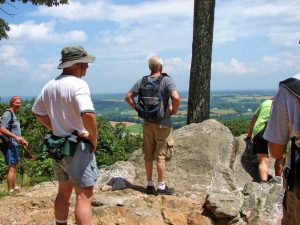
(293, 85)
(159, 79)
(145, 80)
(11, 121)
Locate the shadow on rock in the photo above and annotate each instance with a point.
(120, 183)
(250, 162)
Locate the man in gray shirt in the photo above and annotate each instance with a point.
(10, 127)
(283, 125)
(157, 134)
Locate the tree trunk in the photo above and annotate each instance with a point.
(199, 89)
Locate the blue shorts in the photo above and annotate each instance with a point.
(81, 168)
(12, 155)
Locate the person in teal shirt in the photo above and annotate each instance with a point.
(260, 145)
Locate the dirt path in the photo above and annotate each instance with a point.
(34, 206)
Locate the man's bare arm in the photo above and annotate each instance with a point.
(45, 120)
(175, 102)
(19, 139)
(129, 98)
(276, 150)
(90, 123)
(250, 129)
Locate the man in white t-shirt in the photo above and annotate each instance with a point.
(64, 106)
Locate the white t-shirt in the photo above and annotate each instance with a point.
(64, 99)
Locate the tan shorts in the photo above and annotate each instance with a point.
(157, 139)
(291, 207)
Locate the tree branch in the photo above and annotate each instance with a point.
(7, 13)
(8, 3)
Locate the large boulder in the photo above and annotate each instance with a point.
(213, 174)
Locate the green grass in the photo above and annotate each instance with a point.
(129, 112)
(222, 111)
(136, 128)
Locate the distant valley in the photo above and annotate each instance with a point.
(224, 105)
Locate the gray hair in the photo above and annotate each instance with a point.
(155, 63)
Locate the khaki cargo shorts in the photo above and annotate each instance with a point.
(157, 142)
(291, 207)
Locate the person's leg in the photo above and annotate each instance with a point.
(61, 204)
(83, 210)
(148, 150)
(83, 172)
(162, 135)
(149, 169)
(11, 177)
(161, 170)
(263, 167)
(278, 166)
(11, 160)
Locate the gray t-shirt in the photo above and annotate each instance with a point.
(284, 122)
(15, 128)
(167, 85)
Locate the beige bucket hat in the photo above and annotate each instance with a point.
(74, 54)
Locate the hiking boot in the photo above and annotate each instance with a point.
(150, 190)
(11, 192)
(17, 189)
(276, 180)
(166, 191)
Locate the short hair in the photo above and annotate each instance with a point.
(13, 98)
(155, 63)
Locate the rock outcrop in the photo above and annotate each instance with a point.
(212, 172)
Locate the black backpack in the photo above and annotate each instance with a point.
(150, 104)
(4, 140)
(292, 174)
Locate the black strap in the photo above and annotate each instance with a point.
(11, 121)
(156, 81)
(293, 85)
(291, 178)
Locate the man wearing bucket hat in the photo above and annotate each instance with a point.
(64, 106)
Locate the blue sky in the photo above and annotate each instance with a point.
(256, 43)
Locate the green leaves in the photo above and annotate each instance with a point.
(114, 144)
(237, 126)
(3, 29)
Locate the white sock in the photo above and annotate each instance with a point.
(150, 183)
(63, 222)
(161, 185)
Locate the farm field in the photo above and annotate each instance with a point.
(224, 105)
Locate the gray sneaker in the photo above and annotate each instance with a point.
(150, 190)
(166, 191)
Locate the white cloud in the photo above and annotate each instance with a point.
(277, 20)
(175, 65)
(9, 56)
(30, 30)
(232, 68)
(48, 66)
(239, 67)
(271, 59)
(121, 13)
(44, 32)
(122, 39)
(281, 61)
